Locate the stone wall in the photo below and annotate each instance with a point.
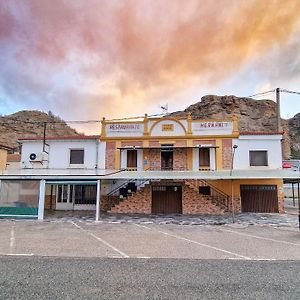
(138, 203)
(107, 202)
(180, 160)
(154, 159)
(227, 153)
(194, 203)
(110, 155)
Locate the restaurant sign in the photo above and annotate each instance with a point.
(199, 126)
(124, 127)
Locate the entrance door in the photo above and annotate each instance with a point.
(64, 198)
(259, 198)
(167, 157)
(132, 159)
(167, 199)
(204, 159)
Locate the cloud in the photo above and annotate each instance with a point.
(116, 58)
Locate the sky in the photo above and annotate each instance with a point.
(84, 60)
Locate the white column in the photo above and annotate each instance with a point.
(41, 199)
(212, 156)
(98, 200)
(123, 158)
(196, 159)
(139, 160)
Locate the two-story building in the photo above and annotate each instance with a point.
(149, 166)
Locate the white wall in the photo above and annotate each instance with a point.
(59, 154)
(269, 143)
(157, 128)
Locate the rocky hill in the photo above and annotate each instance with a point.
(30, 123)
(254, 115)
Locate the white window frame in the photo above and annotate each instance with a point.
(76, 165)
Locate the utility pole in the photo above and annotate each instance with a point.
(232, 196)
(278, 109)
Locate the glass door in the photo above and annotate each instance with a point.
(64, 198)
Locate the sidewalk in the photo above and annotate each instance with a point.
(287, 220)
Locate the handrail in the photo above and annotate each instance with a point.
(125, 183)
(224, 201)
(119, 187)
(213, 187)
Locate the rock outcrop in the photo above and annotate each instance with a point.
(253, 115)
(30, 123)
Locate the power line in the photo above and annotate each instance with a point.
(12, 121)
(290, 92)
(262, 93)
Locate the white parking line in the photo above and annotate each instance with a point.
(101, 240)
(12, 239)
(16, 254)
(195, 242)
(260, 237)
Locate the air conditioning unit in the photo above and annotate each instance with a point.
(36, 157)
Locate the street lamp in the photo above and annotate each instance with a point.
(231, 170)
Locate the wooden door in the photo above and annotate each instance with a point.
(259, 198)
(131, 159)
(204, 161)
(166, 199)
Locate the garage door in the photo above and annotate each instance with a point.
(166, 199)
(259, 198)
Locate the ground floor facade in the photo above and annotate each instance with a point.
(202, 197)
(32, 198)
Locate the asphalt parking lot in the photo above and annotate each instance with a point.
(80, 259)
(136, 240)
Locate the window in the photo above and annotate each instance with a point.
(131, 159)
(85, 194)
(167, 157)
(258, 158)
(76, 157)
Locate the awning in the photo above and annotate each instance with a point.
(92, 174)
(167, 147)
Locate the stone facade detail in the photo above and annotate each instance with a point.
(180, 160)
(154, 159)
(192, 203)
(110, 155)
(227, 153)
(138, 203)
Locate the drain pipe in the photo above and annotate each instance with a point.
(97, 153)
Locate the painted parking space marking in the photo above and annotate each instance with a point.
(195, 242)
(260, 237)
(12, 239)
(123, 255)
(16, 254)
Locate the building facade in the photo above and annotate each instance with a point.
(150, 166)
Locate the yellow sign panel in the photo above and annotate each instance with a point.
(167, 127)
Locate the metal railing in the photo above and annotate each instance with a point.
(219, 197)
